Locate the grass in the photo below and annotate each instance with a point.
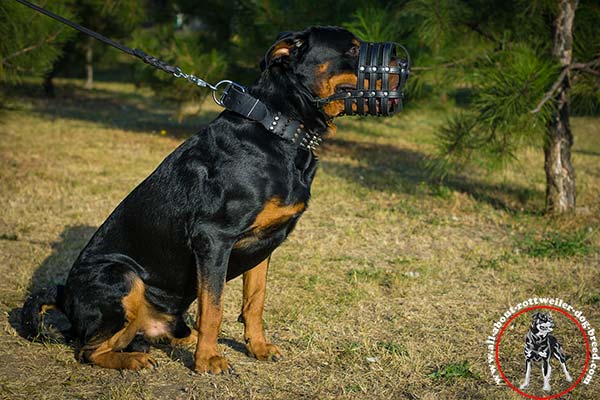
(386, 289)
(454, 371)
(559, 244)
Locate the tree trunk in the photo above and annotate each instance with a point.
(560, 177)
(89, 67)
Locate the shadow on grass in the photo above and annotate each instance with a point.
(131, 110)
(185, 355)
(54, 270)
(384, 167)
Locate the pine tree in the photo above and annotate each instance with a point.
(521, 59)
(31, 42)
(115, 19)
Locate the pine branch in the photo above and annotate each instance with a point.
(588, 67)
(477, 29)
(49, 39)
(584, 67)
(446, 65)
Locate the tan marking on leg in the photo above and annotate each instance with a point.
(208, 357)
(107, 354)
(140, 312)
(255, 284)
(139, 316)
(190, 339)
(47, 307)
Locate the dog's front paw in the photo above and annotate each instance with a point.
(213, 365)
(524, 385)
(264, 351)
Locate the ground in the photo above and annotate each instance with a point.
(387, 289)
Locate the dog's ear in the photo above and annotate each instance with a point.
(288, 47)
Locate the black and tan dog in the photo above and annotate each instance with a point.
(541, 345)
(214, 209)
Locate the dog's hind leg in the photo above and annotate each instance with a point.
(525, 383)
(106, 304)
(107, 354)
(558, 353)
(546, 371)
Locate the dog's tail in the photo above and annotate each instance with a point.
(36, 305)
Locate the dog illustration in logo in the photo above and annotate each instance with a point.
(540, 345)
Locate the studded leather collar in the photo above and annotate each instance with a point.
(241, 102)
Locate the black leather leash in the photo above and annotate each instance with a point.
(234, 96)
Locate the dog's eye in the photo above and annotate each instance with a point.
(353, 52)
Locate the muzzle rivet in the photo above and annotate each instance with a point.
(362, 68)
(274, 123)
(373, 68)
(372, 94)
(385, 93)
(272, 128)
(276, 118)
(386, 69)
(348, 94)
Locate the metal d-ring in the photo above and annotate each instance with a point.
(215, 90)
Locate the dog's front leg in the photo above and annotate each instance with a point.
(546, 371)
(211, 261)
(525, 383)
(255, 284)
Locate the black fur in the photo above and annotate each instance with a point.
(31, 313)
(179, 226)
(541, 345)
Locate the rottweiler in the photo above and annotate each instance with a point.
(541, 345)
(214, 209)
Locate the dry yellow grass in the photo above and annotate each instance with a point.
(387, 278)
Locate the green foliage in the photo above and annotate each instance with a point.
(374, 24)
(30, 41)
(507, 87)
(558, 244)
(116, 19)
(439, 21)
(184, 51)
(585, 95)
(586, 31)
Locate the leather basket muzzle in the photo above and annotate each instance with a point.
(382, 76)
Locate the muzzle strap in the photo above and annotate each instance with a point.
(374, 93)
